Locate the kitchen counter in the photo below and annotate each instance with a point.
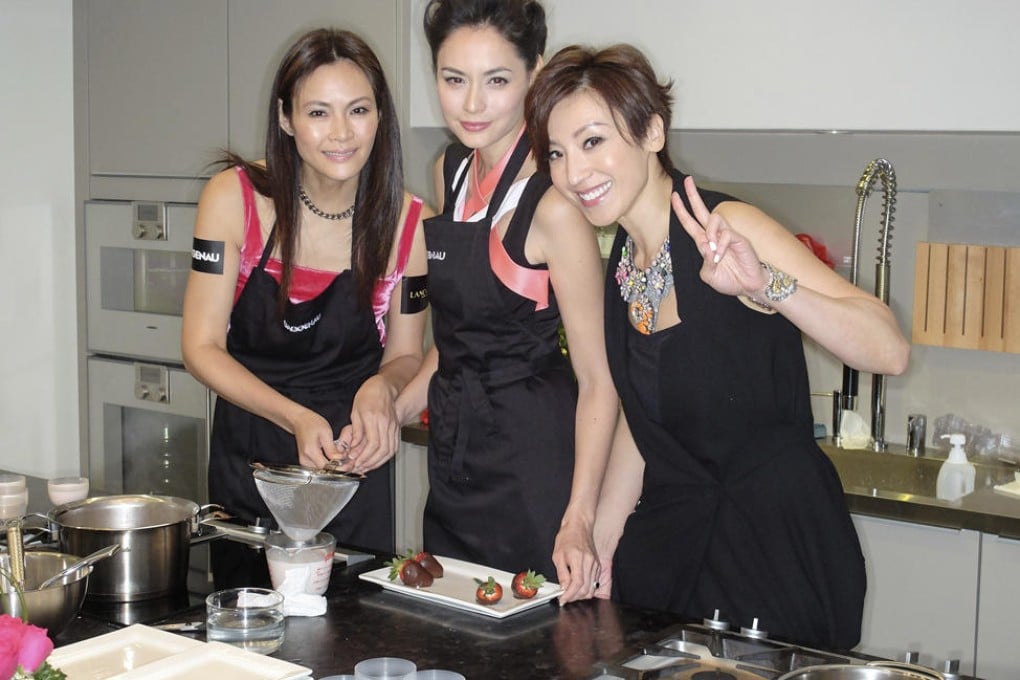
(895, 485)
(364, 621)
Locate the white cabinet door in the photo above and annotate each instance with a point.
(411, 488)
(998, 645)
(922, 591)
(262, 30)
(157, 86)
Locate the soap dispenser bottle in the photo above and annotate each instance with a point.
(956, 476)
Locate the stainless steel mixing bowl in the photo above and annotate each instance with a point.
(55, 607)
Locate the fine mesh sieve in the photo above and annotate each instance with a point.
(301, 499)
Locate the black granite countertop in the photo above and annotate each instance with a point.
(363, 621)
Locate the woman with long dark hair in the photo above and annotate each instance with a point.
(518, 442)
(304, 309)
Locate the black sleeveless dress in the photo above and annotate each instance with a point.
(740, 510)
(318, 354)
(501, 405)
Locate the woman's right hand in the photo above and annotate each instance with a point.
(314, 436)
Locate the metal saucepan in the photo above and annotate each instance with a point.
(878, 670)
(155, 534)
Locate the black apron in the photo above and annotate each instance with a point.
(318, 355)
(501, 405)
(740, 510)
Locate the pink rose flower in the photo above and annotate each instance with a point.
(35, 647)
(10, 644)
(8, 656)
(21, 644)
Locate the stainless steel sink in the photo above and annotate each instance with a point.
(894, 473)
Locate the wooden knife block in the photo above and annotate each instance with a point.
(967, 296)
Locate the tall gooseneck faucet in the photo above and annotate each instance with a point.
(878, 169)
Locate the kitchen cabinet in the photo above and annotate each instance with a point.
(792, 65)
(259, 33)
(157, 93)
(411, 488)
(998, 657)
(172, 84)
(922, 591)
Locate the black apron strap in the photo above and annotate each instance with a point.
(509, 176)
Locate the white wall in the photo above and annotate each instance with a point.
(798, 64)
(38, 349)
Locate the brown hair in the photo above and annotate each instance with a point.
(380, 195)
(620, 75)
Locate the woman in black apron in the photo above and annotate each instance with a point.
(288, 314)
(509, 261)
(716, 496)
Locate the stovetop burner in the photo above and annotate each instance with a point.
(142, 611)
(706, 652)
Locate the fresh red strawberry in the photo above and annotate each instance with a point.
(410, 572)
(488, 592)
(526, 584)
(430, 563)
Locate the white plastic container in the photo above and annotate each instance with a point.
(956, 476)
(13, 504)
(308, 563)
(11, 483)
(67, 489)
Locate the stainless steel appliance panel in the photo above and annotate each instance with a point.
(138, 255)
(148, 429)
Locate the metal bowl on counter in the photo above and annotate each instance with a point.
(154, 532)
(878, 670)
(52, 608)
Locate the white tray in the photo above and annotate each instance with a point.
(457, 588)
(1010, 488)
(139, 651)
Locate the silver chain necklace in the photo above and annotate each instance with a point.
(321, 213)
(644, 289)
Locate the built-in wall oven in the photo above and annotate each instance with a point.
(148, 419)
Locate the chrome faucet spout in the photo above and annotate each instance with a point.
(877, 170)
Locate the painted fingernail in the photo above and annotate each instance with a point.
(716, 259)
(712, 246)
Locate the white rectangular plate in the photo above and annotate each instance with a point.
(138, 652)
(111, 654)
(220, 661)
(457, 588)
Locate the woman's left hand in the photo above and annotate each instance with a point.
(731, 264)
(373, 436)
(577, 565)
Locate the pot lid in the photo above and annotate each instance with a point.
(123, 512)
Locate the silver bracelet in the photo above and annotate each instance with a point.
(779, 286)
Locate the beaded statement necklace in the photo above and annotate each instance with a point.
(322, 213)
(644, 289)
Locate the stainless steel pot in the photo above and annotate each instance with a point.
(879, 670)
(154, 532)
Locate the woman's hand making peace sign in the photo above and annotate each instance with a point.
(731, 264)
